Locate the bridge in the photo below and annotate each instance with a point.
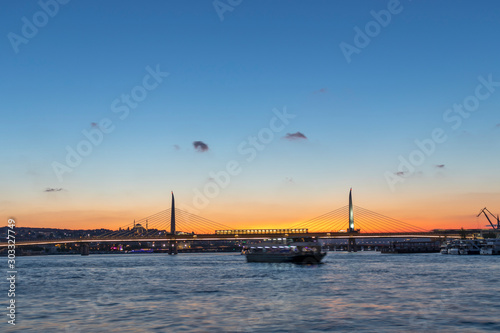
(173, 225)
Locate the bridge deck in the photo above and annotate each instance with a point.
(216, 237)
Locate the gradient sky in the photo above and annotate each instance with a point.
(225, 79)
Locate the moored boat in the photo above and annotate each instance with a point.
(445, 248)
(491, 247)
(463, 247)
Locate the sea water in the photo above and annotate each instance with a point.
(361, 292)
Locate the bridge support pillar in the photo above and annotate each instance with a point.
(351, 245)
(84, 249)
(172, 247)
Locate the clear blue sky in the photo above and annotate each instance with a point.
(225, 78)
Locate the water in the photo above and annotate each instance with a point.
(362, 292)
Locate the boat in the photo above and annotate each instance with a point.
(287, 251)
(445, 248)
(472, 246)
(491, 247)
(463, 247)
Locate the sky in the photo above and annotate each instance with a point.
(255, 113)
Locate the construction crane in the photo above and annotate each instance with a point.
(483, 211)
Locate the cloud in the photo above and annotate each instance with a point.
(50, 189)
(407, 174)
(295, 136)
(440, 166)
(200, 146)
(320, 91)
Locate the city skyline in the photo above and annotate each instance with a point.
(255, 114)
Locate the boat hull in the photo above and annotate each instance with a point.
(286, 258)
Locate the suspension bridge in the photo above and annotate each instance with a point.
(173, 225)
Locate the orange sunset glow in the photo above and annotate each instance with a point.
(455, 211)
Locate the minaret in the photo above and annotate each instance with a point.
(172, 216)
(351, 214)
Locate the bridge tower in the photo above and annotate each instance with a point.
(172, 246)
(351, 213)
(172, 216)
(351, 243)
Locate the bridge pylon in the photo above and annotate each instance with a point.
(351, 213)
(172, 246)
(351, 245)
(172, 216)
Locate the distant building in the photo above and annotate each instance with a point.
(139, 229)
